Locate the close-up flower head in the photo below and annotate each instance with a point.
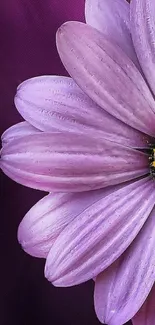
(88, 140)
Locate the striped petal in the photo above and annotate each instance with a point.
(45, 220)
(112, 18)
(70, 163)
(100, 234)
(126, 284)
(146, 315)
(17, 131)
(53, 103)
(143, 35)
(107, 75)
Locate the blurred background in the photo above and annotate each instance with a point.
(27, 49)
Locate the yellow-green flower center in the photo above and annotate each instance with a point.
(152, 162)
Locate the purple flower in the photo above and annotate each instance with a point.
(91, 137)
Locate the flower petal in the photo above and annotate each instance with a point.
(18, 130)
(104, 284)
(107, 75)
(146, 315)
(127, 283)
(45, 220)
(53, 103)
(70, 163)
(143, 35)
(112, 18)
(100, 234)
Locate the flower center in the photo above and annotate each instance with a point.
(152, 162)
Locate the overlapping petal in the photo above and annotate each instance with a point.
(53, 103)
(127, 283)
(18, 130)
(65, 162)
(45, 220)
(143, 35)
(112, 18)
(100, 234)
(146, 315)
(107, 75)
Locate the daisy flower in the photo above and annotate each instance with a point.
(89, 141)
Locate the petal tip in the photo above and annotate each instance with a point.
(62, 28)
(50, 276)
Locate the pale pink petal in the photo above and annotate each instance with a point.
(18, 130)
(65, 162)
(45, 220)
(100, 234)
(112, 17)
(107, 75)
(126, 284)
(146, 315)
(143, 34)
(53, 103)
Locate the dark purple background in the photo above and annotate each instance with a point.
(27, 49)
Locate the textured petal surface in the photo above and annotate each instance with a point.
(146, 315)
(143, 34)
(45, 220)
(100, 234)
(112, 18)
(53, 103)
(107, 75)
(18, 130)
(65, 162)
(126, 285)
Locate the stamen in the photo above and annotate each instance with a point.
(152, 162)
